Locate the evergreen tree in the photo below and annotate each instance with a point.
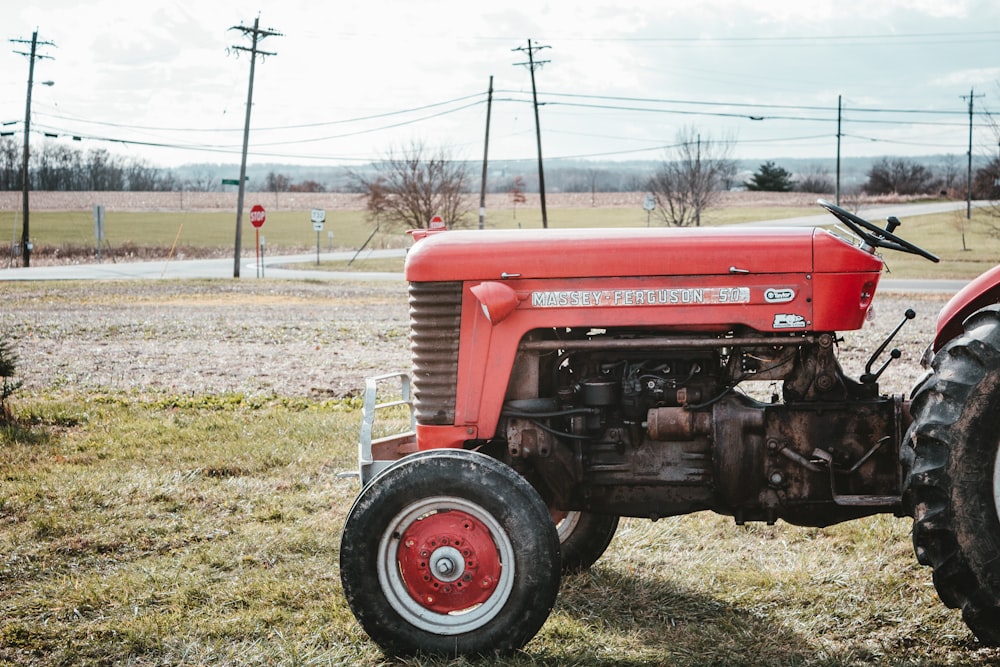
(770, 178)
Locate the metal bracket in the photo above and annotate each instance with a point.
(368, 465)
(855, 500)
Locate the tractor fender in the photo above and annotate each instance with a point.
(981, 292)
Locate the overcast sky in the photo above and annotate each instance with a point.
(352, 81)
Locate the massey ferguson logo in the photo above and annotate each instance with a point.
(779, 294)
(689, 296)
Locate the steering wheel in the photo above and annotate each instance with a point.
(874, 235)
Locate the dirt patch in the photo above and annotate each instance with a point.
(258, 338)
(290, 338)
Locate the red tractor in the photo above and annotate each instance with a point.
(565, 378)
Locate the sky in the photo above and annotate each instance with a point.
(349, 83)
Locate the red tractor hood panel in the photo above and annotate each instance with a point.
(579, 253)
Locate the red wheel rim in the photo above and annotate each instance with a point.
(449, 562)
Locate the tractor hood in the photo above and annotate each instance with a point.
(580, 253)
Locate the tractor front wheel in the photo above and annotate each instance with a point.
(952, 467)
(449, 552)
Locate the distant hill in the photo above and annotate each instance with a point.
(560, 175)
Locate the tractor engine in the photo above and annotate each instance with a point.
(653, 431)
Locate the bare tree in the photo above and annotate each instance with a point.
(691, 177)
(951, 173)
(986, 185)
(142, 177)
(993, 194)
(412, 185)
(10, 164)
(57, 167)
(815, 179)
(104, 171)
(307, 186)
(277, 182)
(900, 176)
(986, 181)
(202, 180)
(517, 193)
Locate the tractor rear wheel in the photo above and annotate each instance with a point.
(952, 473)
(583, 537)
(449, 552)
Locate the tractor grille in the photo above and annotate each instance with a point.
(435, 315)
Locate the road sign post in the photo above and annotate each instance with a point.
(258, 216)
(649, 204)
(99, 228)
(318, 217)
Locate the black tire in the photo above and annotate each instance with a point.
(952, 468)
(583, 538)
(449, 552)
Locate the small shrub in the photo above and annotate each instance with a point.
(8, 385)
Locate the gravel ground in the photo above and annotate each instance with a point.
(255, 337)
(290, 338)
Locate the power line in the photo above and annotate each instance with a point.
(752, 105)
(629, 108)
(807, 40)
(857, 117)
(225, 147)
(687, 112)
(342, 121)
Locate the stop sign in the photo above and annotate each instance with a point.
(257, 216)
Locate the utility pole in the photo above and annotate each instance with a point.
(25, 180)
(968, 176)
(839, 135)
(486, 152)
(699, 182)
(256, 34)
(532, 63)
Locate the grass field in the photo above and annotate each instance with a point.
(205, 530)
(149, 527)
(967, 248)
(293, 228)
(154, 528)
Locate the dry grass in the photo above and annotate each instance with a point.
(190, 531)
(141, 525)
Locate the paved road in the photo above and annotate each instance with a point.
(876, 214)
(204, 268)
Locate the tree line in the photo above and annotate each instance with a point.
(412, 184)
(60, 167)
